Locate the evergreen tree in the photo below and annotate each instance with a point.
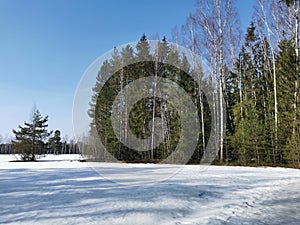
(29, 139)
(250, 102)
(288, 118)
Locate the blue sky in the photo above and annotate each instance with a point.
(46, 45)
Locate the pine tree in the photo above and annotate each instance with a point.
(29, 139)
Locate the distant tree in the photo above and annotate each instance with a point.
(1, 144)
(55, 143)
(29, 139)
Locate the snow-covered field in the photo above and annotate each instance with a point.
(58, 190)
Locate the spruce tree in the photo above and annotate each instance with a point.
(288, 118)
(250, 84)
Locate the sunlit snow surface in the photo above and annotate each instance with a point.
(61, 190)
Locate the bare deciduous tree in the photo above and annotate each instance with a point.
(210, 31)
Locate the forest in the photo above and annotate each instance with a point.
(255, 75)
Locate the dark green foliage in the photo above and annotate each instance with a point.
(253, 138)
(140, 63)
(29, 139)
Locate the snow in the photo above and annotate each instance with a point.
(61, 190)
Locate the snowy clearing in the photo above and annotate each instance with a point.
(61, 190)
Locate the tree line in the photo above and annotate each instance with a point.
(257, 76)
(70, 147)
(34, 140)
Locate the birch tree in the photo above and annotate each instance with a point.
(189, 40)
(215, 23)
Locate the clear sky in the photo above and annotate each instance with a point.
(46, 45)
